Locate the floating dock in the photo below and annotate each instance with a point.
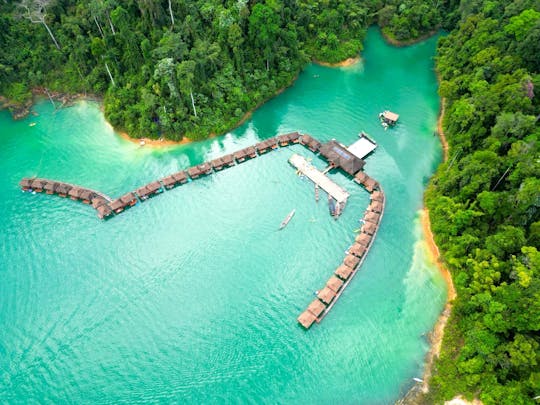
(319, 178)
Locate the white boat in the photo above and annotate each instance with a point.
(287, 219)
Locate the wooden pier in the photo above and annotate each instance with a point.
(320, 179)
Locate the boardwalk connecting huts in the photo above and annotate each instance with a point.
(338, 156)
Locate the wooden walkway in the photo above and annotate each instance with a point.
(320, 179)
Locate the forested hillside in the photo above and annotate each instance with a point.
(484, 203)
(177, 68)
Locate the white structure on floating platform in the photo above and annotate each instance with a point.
(362, 147)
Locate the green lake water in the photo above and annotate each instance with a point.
(193, 296)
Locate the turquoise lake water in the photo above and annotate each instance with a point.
(193, 296)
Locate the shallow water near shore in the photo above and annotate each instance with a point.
(193, 295)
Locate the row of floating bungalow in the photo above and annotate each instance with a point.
(339, 156)
(343, 274)
(106, 207)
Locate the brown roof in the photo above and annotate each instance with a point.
(25, 183)
(316, 307)
(168, 181)
(154, 186)
(363, 239)
(389, 115)
(38, 183)
(357, 249)
(85, 194)
(343, 271)
(312, 143)
(50, 185)
(334, 283)
(103, 211)
(326, 295)
(372, 217)
(250, 150)
(376, 206)
(351, 261)
(306, 319)
(377, 196)
(205, 167)
(360, 177)
(63, 188)
(262, 146)
(74, 192)
(341, 157)
(240, 154)
(180, 176)
(371, 184)
(142, 191)
(115, 204)
(194, 171)
(272, 141)
(227, 159)
(217, 163)
(98, 202)
(369, 228)
(128, 198)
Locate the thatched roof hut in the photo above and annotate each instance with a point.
(194, 172)
(169, 181)
(310, 142)
(117, 205)
(142, 192)
(326, 295)
(306, 319)
(251, 152)
(50, 187)
(217, 163)
(86, 195)
(357, 249)
(389, 117)
(205, 168)
(154, 187)
(228, 160)
(371, 185)
(62, 189)
(369, 227)
(351, 261)
(180, 177)
(341, 157)
(376, 206)
(98, 202)
(372, 217)
(129, 199)
(26, 183)
(360, 177)
(316, 307)
(272, 142)
(343, 271)
(334, 283)
(74, 193)
(240, 155)
(363, 239)
(38, 184)
(262, 147)
(377, 196)
(104, 211)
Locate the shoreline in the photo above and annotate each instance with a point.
(409, 42)
(440, 132)
(343, 63)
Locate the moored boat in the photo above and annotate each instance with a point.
(287, 219)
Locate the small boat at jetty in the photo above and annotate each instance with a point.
(287, 219)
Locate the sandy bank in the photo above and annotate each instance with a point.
(343, 63)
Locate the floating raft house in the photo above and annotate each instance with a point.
(389, 117)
